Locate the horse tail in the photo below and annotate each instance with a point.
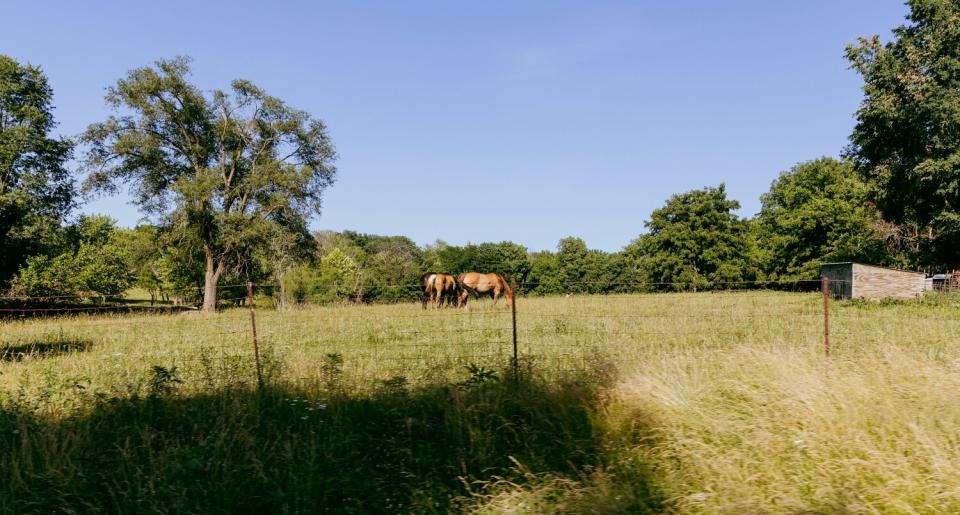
(424, 280)
(425, 288)
(507, 291)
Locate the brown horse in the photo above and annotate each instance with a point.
(444, 289)
(427, 282)
(477, 284)
(436, 288)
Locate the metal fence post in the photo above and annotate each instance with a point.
(826, 315)
(253, 327)
(513, 311)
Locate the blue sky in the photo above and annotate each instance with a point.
(490, 121)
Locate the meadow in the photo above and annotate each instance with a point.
(717, 402)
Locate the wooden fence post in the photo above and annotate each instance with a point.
(513, 311)
(826, 315)
(253, 327)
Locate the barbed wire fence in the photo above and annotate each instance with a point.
(410, 338)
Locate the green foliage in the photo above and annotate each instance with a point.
(283, 251)
(905, 140)
(546, 277)
(96, 262)
(162, 381)
(388, 268)
(143, 259)
(229, 169)
(391, 266)
(340, 274)
(300, 283)
(337, 276)
(576, 269)
(479, 375)
(505, 258)
(36, 189)
(695, 240)
(817, 213)
(441, 256)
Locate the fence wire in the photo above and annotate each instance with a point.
(407, 339)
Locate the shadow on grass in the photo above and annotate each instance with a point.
(290, 450)
(43, 349)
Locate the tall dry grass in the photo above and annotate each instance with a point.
(762, 431)
(688, 402)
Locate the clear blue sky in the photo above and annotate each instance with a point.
(489, 121)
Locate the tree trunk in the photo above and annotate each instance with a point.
(210, 280)
(283, 293)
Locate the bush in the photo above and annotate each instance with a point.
(96, 266)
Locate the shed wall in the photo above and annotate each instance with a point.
(871, 282)
(841, 279)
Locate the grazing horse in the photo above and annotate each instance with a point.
(444, 289)
(427, 282)
(477, 284)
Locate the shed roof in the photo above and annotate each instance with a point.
(872, 266)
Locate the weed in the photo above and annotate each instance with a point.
(479, 375)
(162, 381)
(331, 372)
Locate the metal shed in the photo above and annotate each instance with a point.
(858, 281)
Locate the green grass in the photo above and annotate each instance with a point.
(687, 402)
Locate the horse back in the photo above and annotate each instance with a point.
(481, 282)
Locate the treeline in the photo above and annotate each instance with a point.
(813, 213)
(232, 178)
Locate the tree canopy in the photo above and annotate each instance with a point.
(229, 168)
(906, 143)
(36, 189)
(814, 213)
(695, 239)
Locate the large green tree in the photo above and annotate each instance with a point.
(36, 189)
(906, 142)
(694, 240)
(231, 166)
(814, 213)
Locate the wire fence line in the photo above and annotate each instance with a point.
(416, 288)
(409, 335)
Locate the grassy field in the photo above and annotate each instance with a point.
(687, 402)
